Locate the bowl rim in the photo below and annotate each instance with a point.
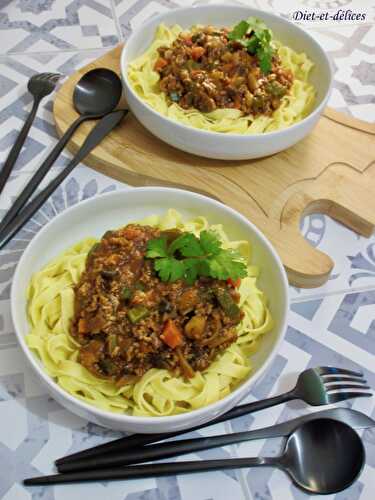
(209, 133)
(212, 408)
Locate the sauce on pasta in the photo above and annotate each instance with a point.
(159, 392)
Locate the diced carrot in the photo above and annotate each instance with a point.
(197, 52)
(82, 325)
(237, 102)
(234, 284)
(172, 335)
(160, 64)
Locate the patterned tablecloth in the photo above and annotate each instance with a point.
(334, 324)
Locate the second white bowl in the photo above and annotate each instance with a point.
(221, 145)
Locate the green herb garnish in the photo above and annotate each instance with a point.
(189, 257)
(254, 35)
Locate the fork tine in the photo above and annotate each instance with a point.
(342, 396)
(335, 387)
(327, 379)
(328, 370)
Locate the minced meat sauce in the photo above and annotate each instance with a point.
(127, 320)
(205, 70)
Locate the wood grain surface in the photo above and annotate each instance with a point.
(331, 171)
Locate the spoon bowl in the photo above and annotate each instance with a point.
(97, 92)
(323, 456)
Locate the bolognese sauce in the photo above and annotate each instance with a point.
(128, 321)
(204, 69)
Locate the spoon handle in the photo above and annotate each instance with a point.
(17, 146)
(152, 470)
(166, 450)
(104, 126)
(123, 445)
(37, 178)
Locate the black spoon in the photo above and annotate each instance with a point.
(97, 93)
(321, 456)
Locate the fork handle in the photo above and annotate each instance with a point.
(241, 410)
(17, 146)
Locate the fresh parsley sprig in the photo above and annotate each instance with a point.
(189, 257)
(254, 35)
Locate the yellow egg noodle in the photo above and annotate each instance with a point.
(50, 308)
(293, 108)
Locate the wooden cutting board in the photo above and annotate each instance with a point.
(331, 171)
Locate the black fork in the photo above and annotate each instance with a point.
(39, 86)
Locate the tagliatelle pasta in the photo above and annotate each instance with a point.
(294, 106)
(158, 393)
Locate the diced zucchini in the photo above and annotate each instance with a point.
(227, 303)
(137, 313)
(126, 293)
(112, 343)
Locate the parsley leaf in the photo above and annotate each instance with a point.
(257, 40)
(188, 245)
(210, 242)
(223, 266)
(169, 269)
(264, 55)
(157, 248)
(239, 31)
(189, 257)
(256, 24)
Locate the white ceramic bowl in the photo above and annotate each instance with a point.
(92, 218)
(214, 144)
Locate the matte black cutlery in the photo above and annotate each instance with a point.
(320, 456)
(170, 449)
(97, 134)
(316, 386)
(96, 94)
(39, 86)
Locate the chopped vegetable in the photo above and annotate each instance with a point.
(137, 313)
(126, 293)
(160, 64)
(112, 344)
(171, 335)
(227, 303)
(189, 257)
(234, 284)
(194, 328)
(82, 326)
(197, 52)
